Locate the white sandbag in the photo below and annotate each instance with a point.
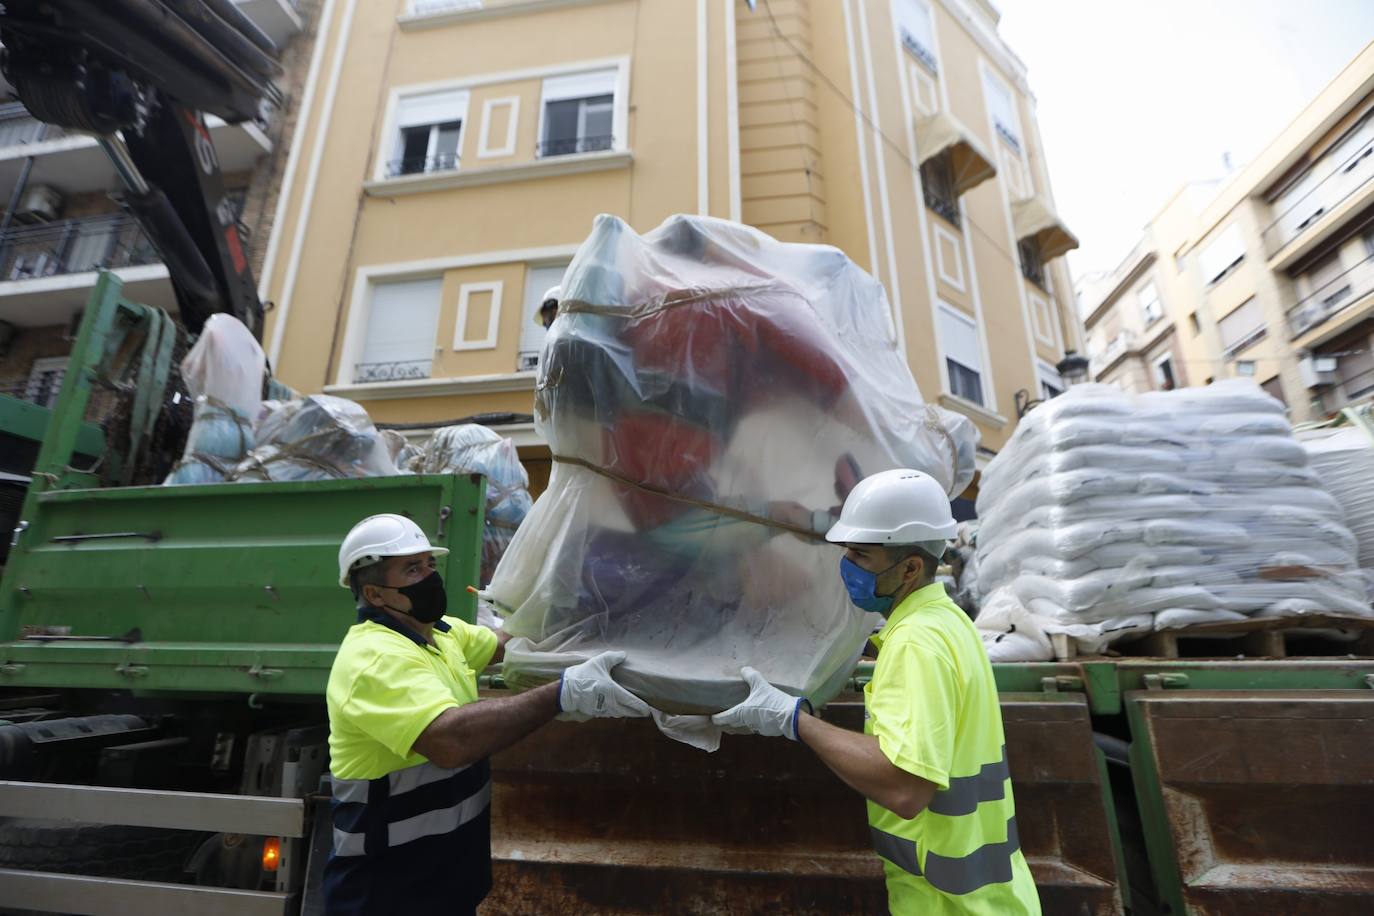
(1107, 508)
(1344, 460)
(226, 364)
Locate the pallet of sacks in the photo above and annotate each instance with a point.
(1110, 515)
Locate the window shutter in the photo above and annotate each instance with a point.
(537, 280)
(431, 108)
(402, 321)
(959, 335)
(1242, 324)
(1227, 248)
(580, 85)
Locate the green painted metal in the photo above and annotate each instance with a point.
(231, 587)
(1154, 820)
(30, 421)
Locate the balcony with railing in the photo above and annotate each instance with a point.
(1120, 345)
(568, 146)
(393, 371)
(1353, 288)
(73, 246)
(74, 162)
(1335, 189)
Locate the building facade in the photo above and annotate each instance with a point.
(455, 154)
(1269, 275)
(64, 226)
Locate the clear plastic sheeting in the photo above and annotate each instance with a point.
(319, 437)
(1343, 459)
(404, 453)
(224, 373)
(1108, 514)
(710, 396)
(473, 449)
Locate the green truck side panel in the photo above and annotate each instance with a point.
(30, 421)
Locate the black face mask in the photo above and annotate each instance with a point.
(428, 600)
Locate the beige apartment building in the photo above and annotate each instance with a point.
(64, 226)
(453, 155)
(1268, 275)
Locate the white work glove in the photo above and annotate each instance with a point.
(587, 691)
(766, 711)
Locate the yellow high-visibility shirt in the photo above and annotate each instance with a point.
(932, 703)
(386, 686)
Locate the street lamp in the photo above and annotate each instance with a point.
(1073, 368)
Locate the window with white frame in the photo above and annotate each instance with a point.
(1150, 308)
(538, 280)
(45, 381)
(1328, 283)
(1299, 205)
(429, 133)
(1242, 327)
(1051, 383)
(578, 113)
(917, 31)
(424, 7)
(402, 320)
(1222, 254)
(963, 354)
(1165, 379)
(1002, 106)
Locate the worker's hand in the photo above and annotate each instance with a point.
(766, 711)
(587, 691)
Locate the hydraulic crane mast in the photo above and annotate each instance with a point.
(141, 76)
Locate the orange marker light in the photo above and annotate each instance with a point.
(271, 853)
(473, 590)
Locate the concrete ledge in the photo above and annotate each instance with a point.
(601, 161)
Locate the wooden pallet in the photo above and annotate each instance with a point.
(1261, 637)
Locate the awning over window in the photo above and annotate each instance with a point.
(1035, 219)
(970, 163)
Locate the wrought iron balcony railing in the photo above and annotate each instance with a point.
(73, 246)
(394, 371)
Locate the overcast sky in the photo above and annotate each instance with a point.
(1138, 96)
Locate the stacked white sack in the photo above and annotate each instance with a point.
(1344, 460)
(1109, 513)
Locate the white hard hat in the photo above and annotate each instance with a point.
(379, 536)
(553, 292)
(894, 507)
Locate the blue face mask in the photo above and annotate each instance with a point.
(861, 585)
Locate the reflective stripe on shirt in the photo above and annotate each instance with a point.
(965, 792)
(371, 806)
(988, 864)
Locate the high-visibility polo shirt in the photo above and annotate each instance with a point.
(932, 703)
(407, 832)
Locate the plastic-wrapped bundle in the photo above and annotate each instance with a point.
(1109, 514)
(404, 454)
(1344, 460)
(474, 449)
(316, 438)
(710, 395)
(224, 373)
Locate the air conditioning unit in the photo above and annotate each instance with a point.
(40, 204)
(1317, 371)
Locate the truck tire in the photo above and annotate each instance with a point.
(105, 850)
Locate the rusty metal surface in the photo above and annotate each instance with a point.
(610, 817)
(1061, 809)
(1266, 800)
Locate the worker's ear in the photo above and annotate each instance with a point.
(372, 594)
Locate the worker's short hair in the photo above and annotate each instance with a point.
(929, 562)
(371, 574)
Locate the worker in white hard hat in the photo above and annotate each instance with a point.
(932, 758)
(548, 306)
(409, 739)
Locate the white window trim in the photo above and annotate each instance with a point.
(465, 293)
(1020, 146)
(620, 117)
(619, 108)
(1046, 373)
(44, 365)
(1043, 332)
(397, 147)
(955, 279)
(365, 277)
(923, 84)
(484, 150)
(1166, 357)
(982, 371)
(463, 15)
